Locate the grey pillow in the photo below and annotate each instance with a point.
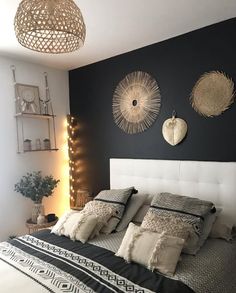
(141, 213)
(199, 241)
(133, 205)
(118, 199)
(191, 210)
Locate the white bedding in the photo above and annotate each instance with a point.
(25, 284)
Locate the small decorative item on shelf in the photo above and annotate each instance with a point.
(38, 144)
(29, 108)
(27, 98)
(35, 186)
(47, 144)
(27, 145)
(46, 104)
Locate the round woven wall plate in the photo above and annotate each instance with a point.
(212, 94)
(136, 102)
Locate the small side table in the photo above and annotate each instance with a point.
(33, 227)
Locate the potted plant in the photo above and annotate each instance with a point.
(36, 186)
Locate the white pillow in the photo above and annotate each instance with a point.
(153, 250)
(57, 229)
(79, 226)
(75, 225)
(134, 203)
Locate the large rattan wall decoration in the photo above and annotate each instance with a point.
(212, 94)
(136, 102)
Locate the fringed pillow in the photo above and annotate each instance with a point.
(153, 250)
(85, 224)
(76, 225)
(103, 212)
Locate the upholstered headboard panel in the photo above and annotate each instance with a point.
(214, 181)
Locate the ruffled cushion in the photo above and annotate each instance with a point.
(151, 249)
(76, 225)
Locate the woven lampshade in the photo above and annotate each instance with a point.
(50, 26)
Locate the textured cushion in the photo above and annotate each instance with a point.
(141, 213)
(103, 211)
(79, 226)
(117, 198)
(190, 210)
(133, 205)
(76, 225)
(153, 250)
(172, 225)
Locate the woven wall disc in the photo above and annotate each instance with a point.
(136, 102)
(212, 94)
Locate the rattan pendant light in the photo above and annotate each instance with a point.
(50, 26)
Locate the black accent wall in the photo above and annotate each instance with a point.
(176, 64)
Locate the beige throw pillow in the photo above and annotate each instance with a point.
(58, 228)
(79, 226)
(102, 211)
(153, 250)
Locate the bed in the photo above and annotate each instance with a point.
(44, 262)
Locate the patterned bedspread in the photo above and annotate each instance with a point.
(213, 269)
(49, 263)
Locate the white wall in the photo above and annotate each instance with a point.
(14, 208)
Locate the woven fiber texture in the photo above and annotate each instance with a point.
(136, 102)
(212, 94)
(50, 26)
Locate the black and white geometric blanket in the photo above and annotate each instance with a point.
(49, 263)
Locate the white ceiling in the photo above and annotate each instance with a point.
(118, 26)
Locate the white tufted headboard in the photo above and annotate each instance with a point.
(214, 181)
